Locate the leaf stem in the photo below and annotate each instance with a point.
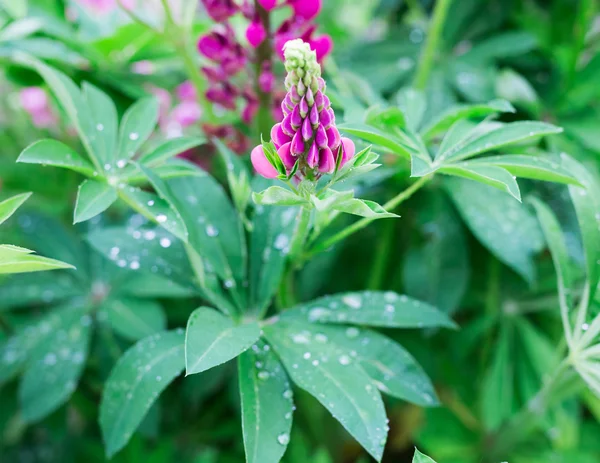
(362, 223)
(382, 255)
(264, 54)
(431, 45)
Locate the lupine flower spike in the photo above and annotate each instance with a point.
(307, 135)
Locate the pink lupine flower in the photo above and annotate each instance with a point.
(255, 33)
(266, 79)
(261, 164)
(296, 27)
(186, 91)
(143, 67)
(220, 10)
(187, 113)
(306, 9)
(268, 4)
(35, 101)
(307, 134)
(106, 6)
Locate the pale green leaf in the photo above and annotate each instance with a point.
(135, 383)
(93, 198)
(137, 125)
(278, 196)
(105, 123)
(212, 338)
(488, 175)
(419, 457)
(20, 260)
(371, 308)
(267, 404)
(57, 154)
(168, 149)
(378, 137)
(363, 208)
(134, 319)
(10, 205)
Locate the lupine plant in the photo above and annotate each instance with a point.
(395, 250)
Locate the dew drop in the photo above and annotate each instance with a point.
(283, 438)
(161, 218)
(263, 375)
(165, 242)
(211, 231)
(134, 136)
(344, 360)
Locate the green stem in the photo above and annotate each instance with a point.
(362, 223)
(264, 54)
(382, 256)
(430, 49)
(500, 445)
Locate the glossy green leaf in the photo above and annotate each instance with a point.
(419, 457)
(413, 105)
(533, 167)
(393, 370)
(37, 289)
(506, 134)
(168, 149)
(20, 260)
(502, 224)
(93, 198)
(57, 154)
(496, 177)
(377, 137)
(55, 366)
(9, 206)
(137, 125)
(173, 168)
(105, 123)
(363, 208)
(135, 383)
(443, 122)
(135, 319)
(212, 338)
(278, 196)
(371, 308)
(344, 389)
(267, 404)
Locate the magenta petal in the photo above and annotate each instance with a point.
(286, 126)
(306, 9)
(319, 100)
(288, 102)
(295, 96)
(261, 163)
(325, 118)
(321, 83)
(211, 47)
(303, 107)
(297, 147)
(307, 131)
(333, 138)
(278, 137)
(314, 116)
(296, 118)
(322, 46)
(312, 157)
(286, 156)
(268, 4)
(321, 137)
(326, 102)
(348, 150)
(326, 161)
(256, 34)
(284, 109)
(310, 98)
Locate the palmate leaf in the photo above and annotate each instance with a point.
(502, 224)
(56, 154)
(55, 365)
(393, 370)
(37, 289)
(135, 383)
(137, 125)
(496, 177)
(267, 404)
(93, 198)
(212, 338)
(105, 124)
(343, 388)
(371, 308)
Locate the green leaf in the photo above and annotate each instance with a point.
(456, 113)
(533, 167)
(37, 289)
(20, 260)
(155, 209)
(93, 198)
(419, 457)
(269, 246)
(363, 208)
(393, 370)
(498, 387)
(137, 125)
(57, 154)
(169, 149)
(55, 366)
(489, 175)
(267, 404)
(371, 308)
(506, 134)
(172, 168)
(10, 205)
(135, 383)
(105, 124)
(502, 224)
(413, 105)
(460, 131)
(212, 338)
(378, 137)
(135, 319)
(278, 196)
(344, 389)
(16, 8)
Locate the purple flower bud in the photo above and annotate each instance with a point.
(261, 163)
(310, 99)
(211, 46)
(295, 97)
(312, 158)
(297, 147)
(348, 150)
(333, 138)
(325, 118)
(286, 126)
(296, 118)
(319, 100)
(321, 82)
(303, 107)
(268, 4)
(220, 10)
(326, 102)
(256, 34)
(307, 130)
(314, 116)
(278, 137)
(266, 81)
(286, 156)
(301, 88)
(321, 137)
(326, 161)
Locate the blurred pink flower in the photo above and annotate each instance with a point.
(143, 67)
(106, 6)
(35, 101)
